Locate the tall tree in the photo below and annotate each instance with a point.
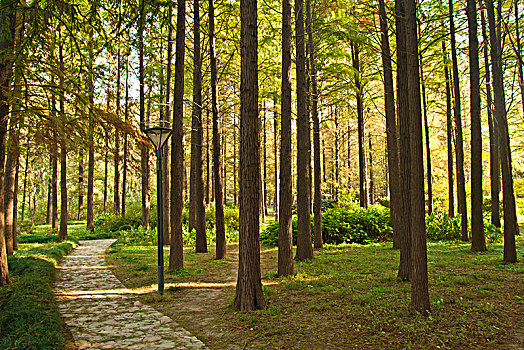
(362, 167)
(275, 155)
(391, 123)
(459, 142)
(116, 157)
(197, 137)
(478, 242)
(249, 294)
(126, 142)
(317, 196)
(285, 238)
(419, 272)
(449, 131)
(508, 195)
(176, 251)
(7, 22)
(80, 215)
(91, 128)
(426, 136)
(64, 215)
(494, 158)
(144, 151)
(404, 217)
(217, 161)
(518, 49)
(304, 246)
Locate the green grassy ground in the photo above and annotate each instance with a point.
(347, 297)
(76, 231)
(29, 317)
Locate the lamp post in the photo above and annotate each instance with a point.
(158, 136)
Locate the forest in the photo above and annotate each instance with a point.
(360, 161)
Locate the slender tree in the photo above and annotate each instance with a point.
(362, 166)
(429, 179)
(275, 155)
(197, 137)
(64, 215)
(249, 294)
(419, 272)
(478, 242)
(80, 215)
(459, 142)
(449, 130)
(217, 161)
(391, 123)
(144, 151)
(494, 159)
(176, 251)
(508, 195)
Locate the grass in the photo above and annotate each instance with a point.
(347, 297)
(29, 317)
(43, 233)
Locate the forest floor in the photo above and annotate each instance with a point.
(348, 297)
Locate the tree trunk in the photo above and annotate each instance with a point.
(371, 179)
(404, 212)
(54, 188)
(197, 137)
(285, 238)
(49, 181)
(391, 124)
(106, 170)
(208, 163)
(478, 242)
(419, 274)
(80, 185)
(166, 229)
(217, 167)
(116, 188)
(426, 137)
(9, 189)
(264, 200)
(126, 145)
(275, 155)
(249, 294)
(494, 163)
(24, 191)
(144, 151)
(176, 250)
(508, 195)
(91, 141)
(459, 147)
(304, 246)
(317, 197)
(363, 193)
(6, 44)
(518, 48)
(15, 209)
(62, 234)
(337, 182)
(449, 130)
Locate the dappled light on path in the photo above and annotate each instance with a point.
(103, 314)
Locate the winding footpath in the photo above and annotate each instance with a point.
(103, 314)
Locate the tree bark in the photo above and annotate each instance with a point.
(518, 49)
(9, 189)
(449, 130)
(404, 217)
(419, 273)
(391, 124)
(106, 169)
(459, 147)
(144, 151)
(508, 195)
(217, 161)
(317, 196)
(126, 143)
(80, 215)
(478, 242)
(275, 155)
(197, 137)
(116, 164)
(494, 158)
(64, 215)
(264, 166)
(91, 141)
(166, 229)
(54, 187)
(6, 44)
(426, 138)
(49, 202)
(24, 191)
(176, 250)
(362, 167)
(371, 179)
(304, 246)
(285, 238)
(249, 294)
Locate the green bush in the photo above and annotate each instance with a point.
(519, 187)
(439, 226)
(230, 217)
(133, 219)
(343, 225)
(492, 233)
(139, 236)
(29, 317)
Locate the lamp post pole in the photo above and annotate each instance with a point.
(160, 221)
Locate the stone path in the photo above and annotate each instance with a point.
(103, 314)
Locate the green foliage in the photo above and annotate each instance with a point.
(29, 317)
(230, 217)
(439, 226)
(133, 219)
(518, 184)
(492, 233)
(139, 236)
(343, 225)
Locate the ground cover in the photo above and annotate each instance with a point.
(347, 297)
(29, 317)
(77, 230)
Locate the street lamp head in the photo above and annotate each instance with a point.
(158, 135)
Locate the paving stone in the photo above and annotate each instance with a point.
(103, 314)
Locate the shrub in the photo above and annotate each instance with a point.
(139, 236)
(343, 225)
(133, 219)
(439, 226)
(492, 233)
